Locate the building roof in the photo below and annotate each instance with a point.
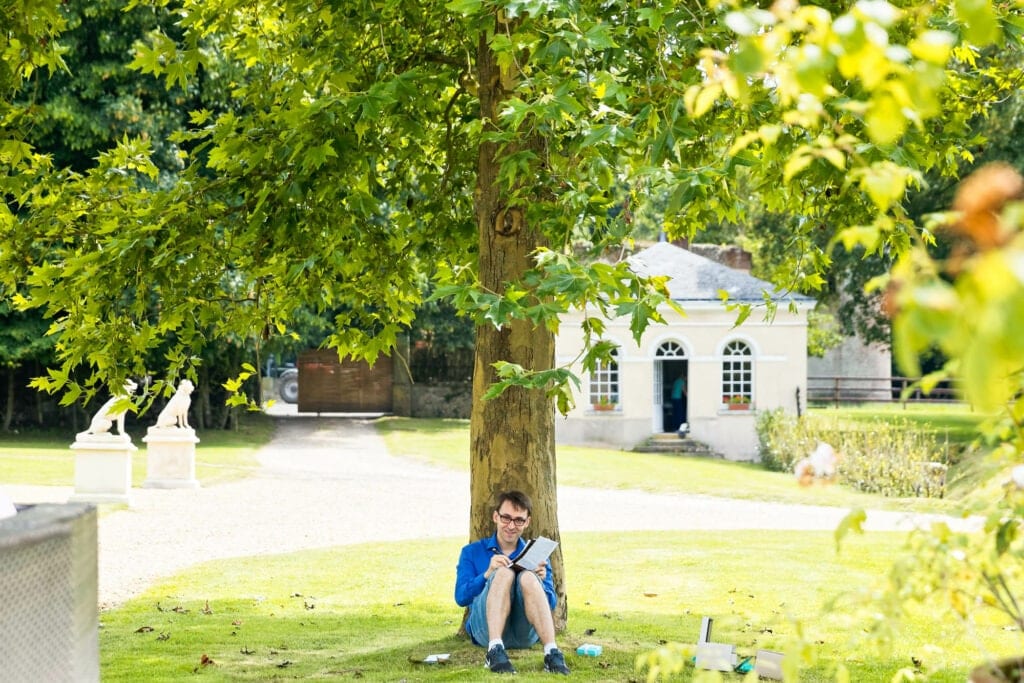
(696, 278)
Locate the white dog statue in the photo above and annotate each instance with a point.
(106, 417)
(175, 413)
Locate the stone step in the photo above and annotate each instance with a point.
(670, 442)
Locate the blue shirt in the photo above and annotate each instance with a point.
(677, 388)
(474, 560)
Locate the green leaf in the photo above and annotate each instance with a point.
(853, 521)
(747, 60)
(866, 236)
(797, 163)
(885, 183)
(884, 121)
(981, 24)
(744, 312)
(934, 47)
(700, 99)
(835, 157)
(1006, 535)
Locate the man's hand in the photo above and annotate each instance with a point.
(541, 571)
(497, 562)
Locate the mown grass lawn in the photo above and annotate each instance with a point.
(446, 443)
(45, 458)
(955, 421)
(371, 612)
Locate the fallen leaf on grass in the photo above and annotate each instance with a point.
(206, 661)
(207, 610)
(285, 664)
(590, 631)
(236, 622)
(650, 595)
(144, 629)
(246, 651)
(163, 636)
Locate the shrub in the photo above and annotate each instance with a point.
(782, 439)
(889, 458)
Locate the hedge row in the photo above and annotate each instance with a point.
(884, 457)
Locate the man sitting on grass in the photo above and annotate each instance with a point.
(507, 608)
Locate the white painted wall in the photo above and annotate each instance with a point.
(780, 368)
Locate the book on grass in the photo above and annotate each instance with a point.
(536, 552)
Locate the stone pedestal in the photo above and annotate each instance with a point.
(170, 458)
(49, 622)
(103, 468)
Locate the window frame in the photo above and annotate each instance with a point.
(737, 377)
(604, 387)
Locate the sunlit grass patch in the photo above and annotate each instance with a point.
(373, 611)
(46, 458)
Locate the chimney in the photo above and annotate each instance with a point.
(730, 255)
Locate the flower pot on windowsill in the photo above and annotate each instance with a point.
(739, 406)
(604, 407)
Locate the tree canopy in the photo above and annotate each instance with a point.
(349, 139)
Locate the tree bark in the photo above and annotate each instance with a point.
(203, 412)
(9, 402)
(512, 436)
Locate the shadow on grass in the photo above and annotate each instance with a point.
(369, 611)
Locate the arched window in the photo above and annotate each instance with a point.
(737, 374)
(670, 349)
(604, 383)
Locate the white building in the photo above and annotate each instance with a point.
(762, 362)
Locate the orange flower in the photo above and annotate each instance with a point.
(979, 200)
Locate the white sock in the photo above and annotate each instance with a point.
(548, 647)
(497, 641)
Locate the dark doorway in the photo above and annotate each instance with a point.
(675, 411)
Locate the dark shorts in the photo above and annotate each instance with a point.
(519, 633)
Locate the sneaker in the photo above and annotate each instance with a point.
(554, 662)
(497, 661)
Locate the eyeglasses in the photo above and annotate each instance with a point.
(506, 520)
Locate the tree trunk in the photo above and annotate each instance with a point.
(40, 418)
(512, 436)
(202, 413)
(9, 403)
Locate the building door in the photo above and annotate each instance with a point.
(671, 365)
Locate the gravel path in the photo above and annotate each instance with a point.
(330, 481)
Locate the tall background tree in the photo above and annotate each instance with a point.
(371, 145)
(71, 113)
